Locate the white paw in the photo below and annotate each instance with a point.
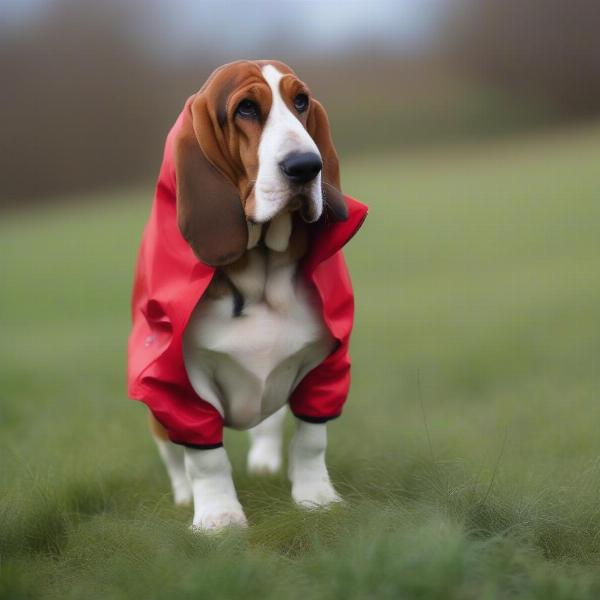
(314, 494)
(215, 521)
(264, 459)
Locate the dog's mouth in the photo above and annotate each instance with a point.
(301, 200)
(302, 205)
(305, 206)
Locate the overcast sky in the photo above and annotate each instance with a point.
(244, 26)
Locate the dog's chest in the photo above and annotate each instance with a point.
(248, 365)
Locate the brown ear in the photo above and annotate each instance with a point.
(209, 211)
(318, 127)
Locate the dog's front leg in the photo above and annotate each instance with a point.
(215, 502)
(311, 486)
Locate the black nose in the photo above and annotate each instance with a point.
(301, 168)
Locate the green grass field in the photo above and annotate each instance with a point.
(469, 449)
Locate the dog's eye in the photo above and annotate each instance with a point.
(247, 109)
(301, 102)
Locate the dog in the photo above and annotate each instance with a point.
(242, 302)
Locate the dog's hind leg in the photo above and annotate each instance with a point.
(173, 457)
(311, 486)
(265, 455)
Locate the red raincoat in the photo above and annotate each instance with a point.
(170, 280)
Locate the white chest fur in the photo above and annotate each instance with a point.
(246, 366)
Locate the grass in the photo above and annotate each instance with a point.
(469, 449)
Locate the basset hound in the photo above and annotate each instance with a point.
(242, 303)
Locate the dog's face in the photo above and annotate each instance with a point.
(253, 143)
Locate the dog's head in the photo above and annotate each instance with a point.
(253, 143)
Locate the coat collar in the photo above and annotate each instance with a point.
(330, 237)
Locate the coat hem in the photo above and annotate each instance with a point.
(199, 446)
(320, 419)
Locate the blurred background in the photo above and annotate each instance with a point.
(471, 128)
(89, 89)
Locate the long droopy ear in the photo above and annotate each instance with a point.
(318, 127)
(209, 211)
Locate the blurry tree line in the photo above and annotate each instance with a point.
(544, 48)
(83, 107)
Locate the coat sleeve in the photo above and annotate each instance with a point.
(321, 395)
(189, 420)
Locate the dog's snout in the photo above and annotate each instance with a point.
(301, 168)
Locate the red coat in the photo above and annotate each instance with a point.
(169, 281)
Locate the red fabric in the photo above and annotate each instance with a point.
(169, 281)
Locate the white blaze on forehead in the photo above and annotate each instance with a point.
(283, 134)
(283, 131)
